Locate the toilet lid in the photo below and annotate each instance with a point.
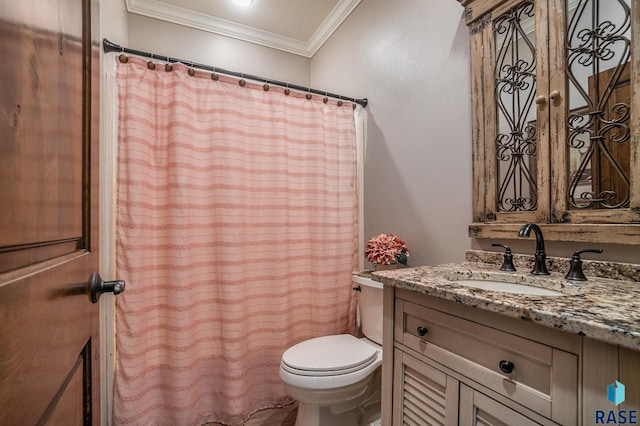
(328, 356)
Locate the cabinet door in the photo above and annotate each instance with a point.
(594, 118)
(422, 395)
(511, 138)
(478, 409)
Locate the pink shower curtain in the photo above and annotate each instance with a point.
(236, 235)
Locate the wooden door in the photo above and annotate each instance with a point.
(49, 354)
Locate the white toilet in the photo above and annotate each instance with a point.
(336, 379)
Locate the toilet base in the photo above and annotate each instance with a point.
(371, 411)
(314, 415)
(366, 412)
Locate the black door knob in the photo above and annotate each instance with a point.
(422, 331)
(97, 287)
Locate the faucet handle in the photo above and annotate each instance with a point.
(575, 265)
(507, 264)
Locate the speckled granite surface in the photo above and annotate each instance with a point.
(601, 308)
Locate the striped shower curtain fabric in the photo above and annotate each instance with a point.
(236, 234)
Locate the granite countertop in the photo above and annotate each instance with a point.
(601, 308)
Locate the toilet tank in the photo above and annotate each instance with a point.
(370, 307)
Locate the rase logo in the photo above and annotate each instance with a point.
(615, 395)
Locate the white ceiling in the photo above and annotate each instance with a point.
(294, 26)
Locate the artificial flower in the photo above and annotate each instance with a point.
(385, 249)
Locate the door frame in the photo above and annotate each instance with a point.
(107, 258)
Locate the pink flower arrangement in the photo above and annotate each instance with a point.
(385, 249)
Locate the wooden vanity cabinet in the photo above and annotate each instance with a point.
(449, 364)
(449, 357)
(555, 122)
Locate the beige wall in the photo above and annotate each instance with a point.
(152, 35)
(113, 20)
(410, 58)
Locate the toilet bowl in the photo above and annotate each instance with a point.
(336, 379)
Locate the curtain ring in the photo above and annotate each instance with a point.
(191, 71)
(150, 64)
(265, 86)
(309, 95)
(242, 82)
(287, 91)
(214, 76)
(325, 99)
(168, 66)
(122, 57)
(340, 101)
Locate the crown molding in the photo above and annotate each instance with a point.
(181, 16)
(339, 13)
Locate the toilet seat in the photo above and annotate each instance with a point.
(329, 356)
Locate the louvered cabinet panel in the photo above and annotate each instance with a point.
(425, 395)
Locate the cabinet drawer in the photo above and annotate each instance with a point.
(541, 377)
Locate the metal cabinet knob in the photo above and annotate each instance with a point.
(554, 95)
(422, 331)
(97, 287)
(506, 366)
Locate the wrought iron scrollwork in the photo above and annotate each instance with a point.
(515, 89)
(598, 44)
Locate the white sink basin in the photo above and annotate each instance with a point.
(508, 287)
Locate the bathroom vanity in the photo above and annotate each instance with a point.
(457, 354)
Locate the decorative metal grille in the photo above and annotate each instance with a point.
(598, 51)
(515, 88)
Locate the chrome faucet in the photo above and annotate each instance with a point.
(540, 265)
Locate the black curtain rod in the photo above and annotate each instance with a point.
(112, 47)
